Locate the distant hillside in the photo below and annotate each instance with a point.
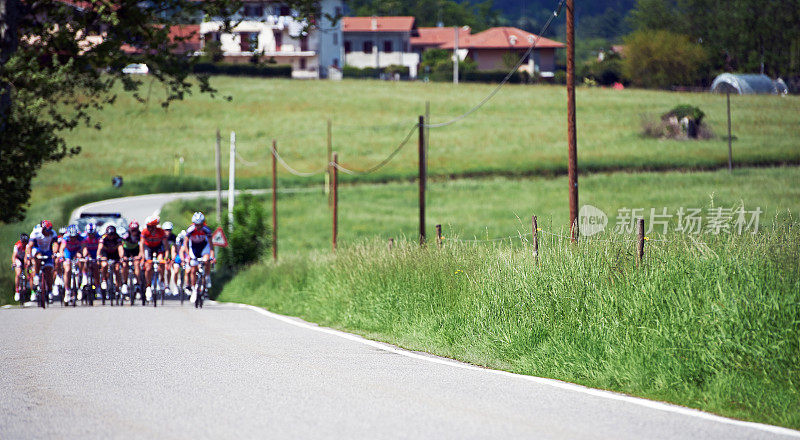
(594, 19)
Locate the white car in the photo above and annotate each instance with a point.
(136, 69)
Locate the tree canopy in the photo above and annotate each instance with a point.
(60, 61)
(737, 35)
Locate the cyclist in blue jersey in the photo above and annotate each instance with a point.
(41, 243)
(71, 246)
(91, 241)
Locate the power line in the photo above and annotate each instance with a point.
(384, 161)
(292, 170)
(486, 99)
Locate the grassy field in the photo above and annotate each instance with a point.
(521, 131)
(710, 326)
(499, 207)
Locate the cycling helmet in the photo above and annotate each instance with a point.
(91, 228)
(46, 224)
(198, 218)
(73, 230)
(167, 226)
(152, 220)
(133, 225)
(111, 229)
(62, 230)
(23, 237)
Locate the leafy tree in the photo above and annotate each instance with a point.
(60, 61)
(660, 59)
(738, 35)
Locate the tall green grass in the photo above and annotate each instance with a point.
(710, 325)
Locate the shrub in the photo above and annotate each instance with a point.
(262, 70)
(251, 236)
(659, 59)
(606, 72)
(686, 110)
(356, 72)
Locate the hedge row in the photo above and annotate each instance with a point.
(275, 70)
(372, 72)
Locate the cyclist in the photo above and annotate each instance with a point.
(41, 243)
(58, 257)
(170, 255)
(91, 241)
(110, 249)
(18, 262)
(71, 245)
(130, 244)
(180, 257)
(198, 245)
(152, 247)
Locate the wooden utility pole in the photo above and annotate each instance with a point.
(219, 180)
(422, 178)
(455, 55)
(730, 149)
(335, 184)
(571, 129)
(274, 201)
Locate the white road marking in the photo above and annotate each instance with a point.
(662, 406)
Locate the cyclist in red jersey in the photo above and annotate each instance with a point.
(152, 246)
(18, 262)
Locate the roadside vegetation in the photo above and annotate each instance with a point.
(711, 326)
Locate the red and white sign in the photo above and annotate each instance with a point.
(218, 238)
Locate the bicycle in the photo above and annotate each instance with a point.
(43, 288)
(74, 284)
(24, 286)
(110, 292)
(133, 281)
(89, 288)
(156, 281)
(200, 283)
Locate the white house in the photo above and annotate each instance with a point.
(270, 30)
(379, 42)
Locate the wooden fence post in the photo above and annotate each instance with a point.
(422, 178)
(274, 201)
(534, 228)
(335, 185)
(439, 235)
(640, 242)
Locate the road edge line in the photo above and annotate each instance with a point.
(663, 406)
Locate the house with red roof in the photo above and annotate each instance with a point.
(380, 42)
(488, 48)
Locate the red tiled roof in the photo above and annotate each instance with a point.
(377, 24)
(437, 36)
(189, 35)
(501, 38)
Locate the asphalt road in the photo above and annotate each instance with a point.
(228, 371)
(238, 371)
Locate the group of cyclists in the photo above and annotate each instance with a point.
(153, 250)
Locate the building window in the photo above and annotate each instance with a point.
(278, 41)
(368, 46)
(347, 47)
(248, 41)
(285, 11)
(302, 63)
(251, 10)
(304, 43)
(387, 46)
